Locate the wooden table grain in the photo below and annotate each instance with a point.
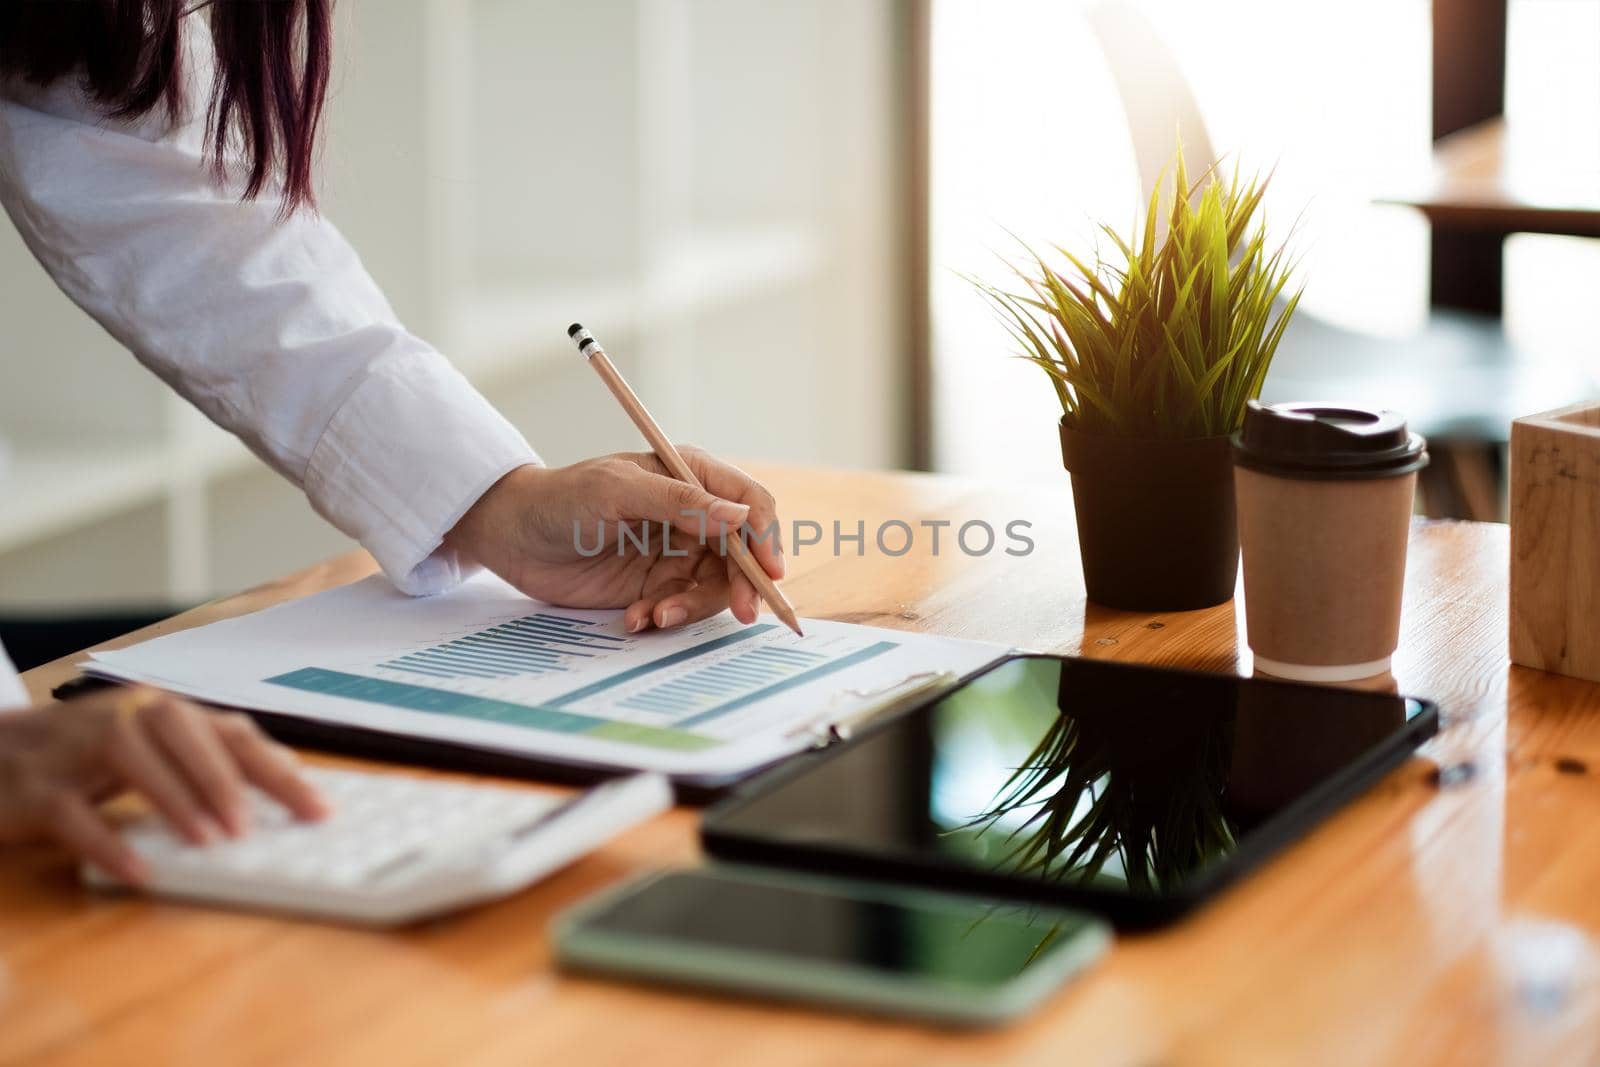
(1446, 917)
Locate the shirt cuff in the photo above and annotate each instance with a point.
(408, 452)
(13, 695)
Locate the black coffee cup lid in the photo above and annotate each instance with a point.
(1327, 441)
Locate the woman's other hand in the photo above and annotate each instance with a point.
(556, 534)
(57, 762)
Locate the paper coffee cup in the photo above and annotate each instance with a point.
(1324, 503)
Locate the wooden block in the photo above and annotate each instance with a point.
(1555, 541)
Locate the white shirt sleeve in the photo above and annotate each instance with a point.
(270, 326)
(13, 696)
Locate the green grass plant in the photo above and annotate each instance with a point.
(1170, 335)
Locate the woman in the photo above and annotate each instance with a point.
(156, 156)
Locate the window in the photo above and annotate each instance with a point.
(1028, 134)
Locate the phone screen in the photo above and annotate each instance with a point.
(950, 941)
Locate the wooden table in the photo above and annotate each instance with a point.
(1487, 178)
(1488, 181)
(1442, 918)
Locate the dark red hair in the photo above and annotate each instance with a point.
(271, 71)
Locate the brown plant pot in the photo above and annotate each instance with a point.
(1156, 525)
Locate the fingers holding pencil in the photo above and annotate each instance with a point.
(761, 527)
(761, 531)
(758, 563)
(756, 539)
(719, 580)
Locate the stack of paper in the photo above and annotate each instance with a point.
(485, 666)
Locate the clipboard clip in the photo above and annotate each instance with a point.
(827, 727)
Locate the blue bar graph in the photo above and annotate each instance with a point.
(725, 682)
(534, 644)
(788, 680)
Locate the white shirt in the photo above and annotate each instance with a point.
(12, 695)
(270, 326)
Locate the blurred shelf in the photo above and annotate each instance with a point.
(450, 191)
(49, 488)
(498, 327)
(53, 487)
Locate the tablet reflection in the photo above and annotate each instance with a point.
(1131, 780)
(1086, 775)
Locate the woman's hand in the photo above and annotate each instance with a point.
(57, 762)
(556, 534)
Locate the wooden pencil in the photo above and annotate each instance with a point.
(674, 462)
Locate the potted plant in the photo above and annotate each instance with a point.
(1153, 354)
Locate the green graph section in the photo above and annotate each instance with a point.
(444, 702)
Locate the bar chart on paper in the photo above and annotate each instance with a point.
(571, 673)
(533, 644)
(485, 666)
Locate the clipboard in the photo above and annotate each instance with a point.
(698, 791)
(483, 679)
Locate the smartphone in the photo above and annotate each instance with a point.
(856, 945)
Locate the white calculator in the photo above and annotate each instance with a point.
(395, 848)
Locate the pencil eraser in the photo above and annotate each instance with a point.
(575, 329)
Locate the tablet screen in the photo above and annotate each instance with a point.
(1081, 774)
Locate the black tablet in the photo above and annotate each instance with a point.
(1130, 790)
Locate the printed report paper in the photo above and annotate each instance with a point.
(486, 666)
